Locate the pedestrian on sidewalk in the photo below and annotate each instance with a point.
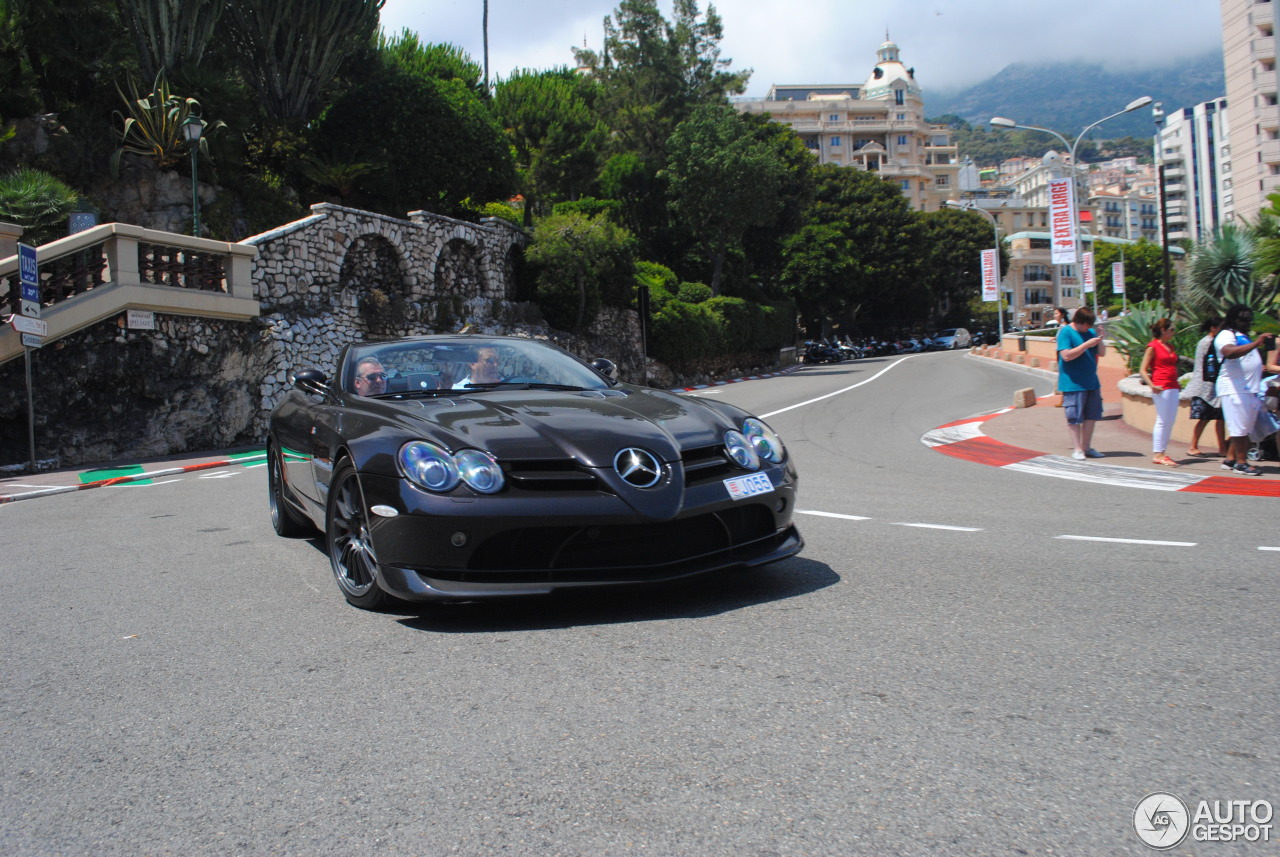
(1159, 371)
(1079, 349)
(1239, 380)
(1205, 405)
(1061, 319)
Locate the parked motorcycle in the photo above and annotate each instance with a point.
(819, 352)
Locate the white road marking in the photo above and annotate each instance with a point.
(218, 474)
(1127, 541)
(938, 527)
(832, 515)
(1268, 549)
(838, 392)
(251, 466)
(162, 482)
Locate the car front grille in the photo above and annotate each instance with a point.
(622, 552)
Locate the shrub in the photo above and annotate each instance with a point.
(684, 333)
(37, 202)
(694, 293)
(500, 210)
(590, 207)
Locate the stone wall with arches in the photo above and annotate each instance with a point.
(343, 275)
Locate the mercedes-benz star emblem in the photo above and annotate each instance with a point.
(637, 467)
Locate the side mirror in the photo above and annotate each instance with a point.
(311, 380)
(605, 367)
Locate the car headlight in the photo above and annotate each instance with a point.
(739, 449)
(480, 470)
(428, 466)
(764, 440)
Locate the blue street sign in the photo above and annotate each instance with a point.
(29, 276)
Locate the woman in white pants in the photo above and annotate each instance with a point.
(1160, 372)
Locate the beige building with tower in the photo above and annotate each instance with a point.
(877, 125)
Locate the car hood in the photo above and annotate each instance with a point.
(588, 427)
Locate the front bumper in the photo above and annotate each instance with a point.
(451, 548)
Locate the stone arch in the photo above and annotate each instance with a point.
(372, 278)
(458, 271)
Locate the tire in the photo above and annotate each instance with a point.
(284, 520)
(351, 553)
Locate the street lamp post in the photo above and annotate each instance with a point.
(1002, 122)
(995, 231)
(192, 129)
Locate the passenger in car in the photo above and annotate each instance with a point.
(483, 371)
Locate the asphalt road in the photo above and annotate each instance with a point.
(953, 666)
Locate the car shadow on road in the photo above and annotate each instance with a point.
(705, 595)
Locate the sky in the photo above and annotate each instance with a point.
(951, 44)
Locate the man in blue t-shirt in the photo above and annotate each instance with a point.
(1079, 347)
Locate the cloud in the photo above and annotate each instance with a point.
(950, 43)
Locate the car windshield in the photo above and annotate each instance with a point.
(950, 332)
(465, 364)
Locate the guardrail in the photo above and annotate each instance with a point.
(91, 275)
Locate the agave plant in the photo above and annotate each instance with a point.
(36, 201)
(1131, 333)
(153, 127)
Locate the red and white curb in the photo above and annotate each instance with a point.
(964, 439)
(786, 371)
(132, 477)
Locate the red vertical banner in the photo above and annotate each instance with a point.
(1086, 271)
(1117, 278)
(990, 276)
(1061, 223)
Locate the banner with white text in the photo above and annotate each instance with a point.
(990, 276)
(1117, 278)
(1061, 222)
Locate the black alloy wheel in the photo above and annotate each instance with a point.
(350, 547)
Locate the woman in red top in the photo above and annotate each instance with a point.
(1160, 372)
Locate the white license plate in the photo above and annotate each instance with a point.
(748, 486)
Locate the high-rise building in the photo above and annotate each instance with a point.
(1199, 169)
(1249, 63)
(877, 126)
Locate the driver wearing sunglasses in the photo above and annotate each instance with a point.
(371, 378)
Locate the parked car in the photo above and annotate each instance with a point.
(952, 337)
(465, 467)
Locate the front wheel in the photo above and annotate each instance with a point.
(350, 545)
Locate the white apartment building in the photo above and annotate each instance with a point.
(877, 125)
(1199, 170)
(1249, 62)
(1131, 214)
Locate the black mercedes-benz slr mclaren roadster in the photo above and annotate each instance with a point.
(465, 467)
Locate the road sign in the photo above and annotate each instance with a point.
(29, 274)
(30, 340)
(23, 324)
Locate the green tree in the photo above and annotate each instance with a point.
(653, 72)
(950, 266)
(581, 263)
(881, 284)
(444, 155)
(434, 61)
(723, 180)
(1143, 270)
(292, 49)
(818, 269)
(554, 135)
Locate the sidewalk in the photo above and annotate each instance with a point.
(1042, 430)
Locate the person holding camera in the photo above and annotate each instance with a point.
(1239, 381)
